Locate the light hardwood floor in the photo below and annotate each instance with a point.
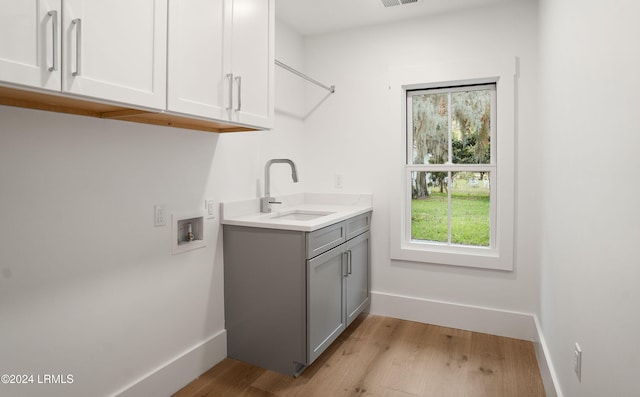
(381, 356)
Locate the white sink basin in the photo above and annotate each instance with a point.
(299, 215)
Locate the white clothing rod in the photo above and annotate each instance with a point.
(331, 89)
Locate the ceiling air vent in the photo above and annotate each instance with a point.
(391, 3)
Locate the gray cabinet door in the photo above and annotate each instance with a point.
(357, 276)
(325, 302)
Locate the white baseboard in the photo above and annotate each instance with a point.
(453, 315)
(177, 373)
(471, 318)
(549, 378)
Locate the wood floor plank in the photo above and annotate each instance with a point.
(205, 379)
(407, 359)
(386, 357)
(524, 368)
(450, 351)
(235, 380)
(486, 374)
(354, 363)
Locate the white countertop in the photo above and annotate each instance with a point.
(340, 206)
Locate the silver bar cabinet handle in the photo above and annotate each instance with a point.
(346, 256)
(239, 80)
(78, 23)
(349, 262)
(54, 26)
(230, 78)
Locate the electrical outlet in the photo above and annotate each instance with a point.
(210, 206)
(338, 181)
(577, 361)
(160, 215)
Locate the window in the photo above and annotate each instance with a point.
(455, 195)
(450, 165)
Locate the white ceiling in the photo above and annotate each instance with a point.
(309, 17)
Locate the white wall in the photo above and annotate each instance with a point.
(590, 96)
(88, 286)
(351, 133)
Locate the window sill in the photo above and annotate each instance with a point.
(477, 257)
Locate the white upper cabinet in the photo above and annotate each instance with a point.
(199, 64)
(195, 84)
(251, 61)
(116, 50)
(30, 43)
(221, 60)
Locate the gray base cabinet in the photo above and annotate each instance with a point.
(289, 294)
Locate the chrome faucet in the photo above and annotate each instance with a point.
(267, 200)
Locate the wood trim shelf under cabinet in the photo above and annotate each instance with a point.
(29, 99)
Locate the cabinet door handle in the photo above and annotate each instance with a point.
(78, 23)
(54, 26)
(349, 262)
(239, 81)
(345, 256)
(230, 78)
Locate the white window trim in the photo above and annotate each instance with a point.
(503, 72)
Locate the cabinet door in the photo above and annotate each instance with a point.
(357, 276)
(251, 56)
(116, 50)
(325, 305)
(30, 43)
(195, 76)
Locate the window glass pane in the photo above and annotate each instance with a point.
(470, 213)
(430, 127)
(471, 127)
(429, 206)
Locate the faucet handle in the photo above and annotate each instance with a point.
(265, 203)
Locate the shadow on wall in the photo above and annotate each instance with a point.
(303, 116)
(288, 81)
